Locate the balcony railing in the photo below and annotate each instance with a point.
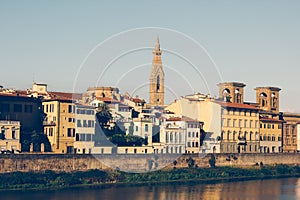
(49, 123)
(9, 122)
(241, 141)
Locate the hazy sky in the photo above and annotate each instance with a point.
(255, 42)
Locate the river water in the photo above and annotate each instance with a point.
(271, 189)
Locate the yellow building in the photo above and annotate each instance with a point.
(270, 135)
(59, 125)
(240, 128)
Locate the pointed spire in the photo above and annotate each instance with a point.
(157, 45)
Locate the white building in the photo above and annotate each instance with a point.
(10, 136)
(202, 108)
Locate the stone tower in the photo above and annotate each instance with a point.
(232, 92)
(157, 78)
(268, 98)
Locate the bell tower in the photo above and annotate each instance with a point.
(268, 98)
(157, 78)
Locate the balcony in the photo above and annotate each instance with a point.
(4, 122)
(241, 141)
(49, 123)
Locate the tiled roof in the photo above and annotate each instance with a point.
(266, 119)
(107, 100)
(183, 118)
(65, 95)
(237, 105)
(137, 100)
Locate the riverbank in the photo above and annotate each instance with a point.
(97, 178)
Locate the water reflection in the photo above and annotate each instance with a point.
(288, 188)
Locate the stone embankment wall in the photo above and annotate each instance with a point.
(134, 163)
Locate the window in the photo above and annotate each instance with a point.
(51, 107)
(146, 128)
(70, 119)
(136, 128)
(189, 134)
(84, 123)
(240, 123)
(88, 137)
(4, 107)
(167, 137)
(251, 124)
(93, 124)
(245, 123)
(50, 132)
(89, 123)
(79, 123)
(13, 133)
(71, 132)
(17, 107)
(81, 137)
(228, 122)
(234, 123)
(70, 109)
(273, 126)
(273, 138)
(28, 108)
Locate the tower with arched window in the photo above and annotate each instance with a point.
(232, 92)
(268, 98)
(157, 77)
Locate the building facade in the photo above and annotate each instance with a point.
(59, 125)
(10, 136)
(84, 128)
(270, 135)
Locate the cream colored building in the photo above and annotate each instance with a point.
(10, 136)
(84, 128)
(59, 125)
(291, 132)
(202, 108)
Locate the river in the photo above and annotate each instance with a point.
(284, 188)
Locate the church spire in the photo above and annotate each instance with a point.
(157, 45)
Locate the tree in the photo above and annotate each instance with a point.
(103, 115)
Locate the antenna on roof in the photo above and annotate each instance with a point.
(33, 81)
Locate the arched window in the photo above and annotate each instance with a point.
(157, 83)
(167, 137)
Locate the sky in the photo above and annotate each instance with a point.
(72, 45)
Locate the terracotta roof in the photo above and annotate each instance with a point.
(237, 105)
(137, 100)
(65, 95)
(183, 118)
(107, 100)
(266, 119)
